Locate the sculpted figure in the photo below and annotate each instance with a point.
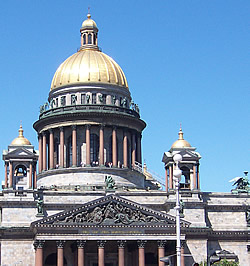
(39, 206)
(110, 183)
(87, 98)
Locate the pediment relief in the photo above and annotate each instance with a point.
(20, 152)
(189, 154)
(110, 211)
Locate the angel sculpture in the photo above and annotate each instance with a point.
(241, 183)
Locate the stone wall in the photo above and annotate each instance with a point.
(17, 253)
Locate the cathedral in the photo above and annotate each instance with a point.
(85, 198)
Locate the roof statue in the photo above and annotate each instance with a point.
(241, 183)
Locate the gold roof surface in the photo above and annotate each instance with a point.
(89, 66)
(181, 142)
(20, 140)
(89, 22)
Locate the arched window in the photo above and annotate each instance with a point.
(52, 260)
(20, 170)
(69, 151)
(94, 39)
(94, 148)
(84, 38)
(89, 38)
(185, 178)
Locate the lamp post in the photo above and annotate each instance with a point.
(177, 176)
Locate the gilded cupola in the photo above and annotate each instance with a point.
(20, 140)
(181, 142)
(89, 65)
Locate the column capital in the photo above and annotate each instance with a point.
(101, 243)
(73, 127)
(61, 128)
(183, 243)
(81, 243)
(114, 127)
(88, 126)
(51, 130)
(161, 243)
(121, 243)
(141, 243)
(38, 244)
(44, 133)
(60, 243)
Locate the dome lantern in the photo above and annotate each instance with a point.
(89, 32)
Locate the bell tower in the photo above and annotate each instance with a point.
(20, 164)
(189, 165)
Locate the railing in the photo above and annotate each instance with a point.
(87, 108)
(138, 167)
(144, 170)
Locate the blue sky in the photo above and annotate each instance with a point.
(185, 61)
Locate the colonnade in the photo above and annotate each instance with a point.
(47, 158)
(194, 175)
(9, 174)
(39, 245)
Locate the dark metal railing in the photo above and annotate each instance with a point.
(87, 108)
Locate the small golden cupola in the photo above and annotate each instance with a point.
(181, 142)
(20, 140)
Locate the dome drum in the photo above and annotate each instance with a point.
(90, 178)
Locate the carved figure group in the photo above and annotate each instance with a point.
(111, 212)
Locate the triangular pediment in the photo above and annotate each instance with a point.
(20, 153)
(108, 211)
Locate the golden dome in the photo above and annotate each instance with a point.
(89, 23)
(89, 66)
(181, 142)
(20, 140)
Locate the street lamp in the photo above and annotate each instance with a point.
(177, 177)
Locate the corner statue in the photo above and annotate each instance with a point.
(39, 206)
(242, 184)
(110, 183)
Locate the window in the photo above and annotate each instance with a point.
(56, 102)
(185, 178)
(84, 38)
(94, 148)
(69, 151)
(104, 97)
(89, 38)
(20, 171)
(56, 152)
(94, 39)
(83, 98)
